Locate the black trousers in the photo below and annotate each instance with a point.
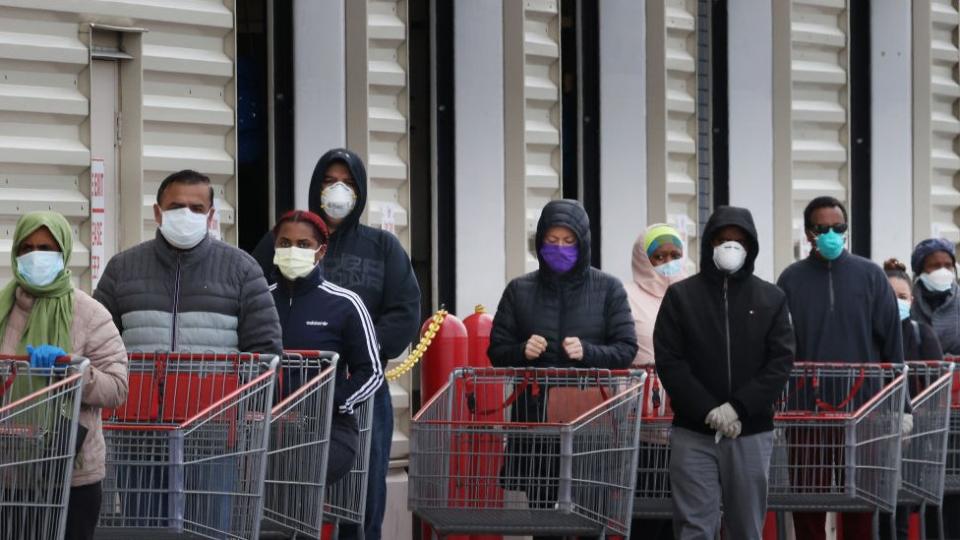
(83, 511)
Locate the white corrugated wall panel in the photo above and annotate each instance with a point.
(188, 116)
(532, 123)
(44, 154)
(187, 106)
(386, 117)
(944, 126)
(681, 65)
(819, 105)
(672, 166)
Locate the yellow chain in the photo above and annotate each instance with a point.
(421, 347)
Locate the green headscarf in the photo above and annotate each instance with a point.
(52, 314)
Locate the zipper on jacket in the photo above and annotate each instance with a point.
(726, 320)
(176, 308)
(830, 279)
(561, 319)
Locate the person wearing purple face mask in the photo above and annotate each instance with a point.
(567, 315)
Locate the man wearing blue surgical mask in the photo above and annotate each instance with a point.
(844, 310)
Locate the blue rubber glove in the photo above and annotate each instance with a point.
(44, 356)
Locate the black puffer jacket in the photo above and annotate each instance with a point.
(584, 303)
(724, 338)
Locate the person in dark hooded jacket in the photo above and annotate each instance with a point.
(372, 263)
(566, 315)
(724, 346)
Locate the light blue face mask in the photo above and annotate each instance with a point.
(904, 307)
(40, 268)
(670, 269)
(830, 244)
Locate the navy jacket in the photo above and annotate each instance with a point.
(724, 337)
(368, 261)
(843, 310)
(318, 315)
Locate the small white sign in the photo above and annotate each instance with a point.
(388, 220)
(97, 220)
(214, 229)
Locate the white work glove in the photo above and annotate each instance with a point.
(732, 431)
(721, 417)
(906, 424)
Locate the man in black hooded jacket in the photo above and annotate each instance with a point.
(724, 346)
(372, 263)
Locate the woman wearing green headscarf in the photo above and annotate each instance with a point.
(43, 315)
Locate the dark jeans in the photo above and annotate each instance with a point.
(83, 511)
(380, 442)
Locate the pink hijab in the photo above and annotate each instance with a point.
(645, 293)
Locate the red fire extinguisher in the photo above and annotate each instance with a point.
(478, 325)
(446, 352)
(461, 344)
(485, 455)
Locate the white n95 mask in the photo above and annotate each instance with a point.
(338, 200)
(729, 256)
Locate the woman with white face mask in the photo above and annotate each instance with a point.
(935, 302)
(44, 316)
(318, 315)
(935, 291)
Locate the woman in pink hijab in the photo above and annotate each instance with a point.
(657, 263)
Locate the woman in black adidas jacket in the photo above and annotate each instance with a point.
(318, 315)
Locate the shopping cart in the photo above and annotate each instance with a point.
(923, 456)
(653, 498)
(300, 442)
(187, 451)
(837, 439)
(38, 439)
(570, 447)
(346, 500)
(952, 474)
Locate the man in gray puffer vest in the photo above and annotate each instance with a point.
(185, 291)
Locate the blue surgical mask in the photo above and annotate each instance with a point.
(904, 307)
(830, 245)
(40, 268)
(670, 269)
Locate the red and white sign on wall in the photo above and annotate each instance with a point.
(97, 219)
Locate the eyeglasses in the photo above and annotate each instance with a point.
(838, 228)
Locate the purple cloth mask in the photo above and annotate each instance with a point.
(560, 259)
